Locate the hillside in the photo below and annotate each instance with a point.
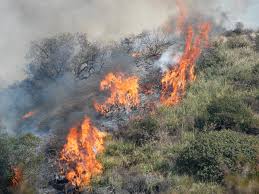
(207, 143)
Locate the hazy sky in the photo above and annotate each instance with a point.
(25, 20)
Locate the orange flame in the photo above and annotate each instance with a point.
(28, 115)
(182, 15)
(136, 54)
(175, 80)
(78, 156)
(124, 92)
(17, 177)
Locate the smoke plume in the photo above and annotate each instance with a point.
(26, 20)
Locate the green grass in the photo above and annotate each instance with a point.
(145, 155)
(212, 153)
(19, 152)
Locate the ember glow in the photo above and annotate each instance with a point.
(28, 115)
(136, 54)
(124, 91)
(78, 158)
(17, 177)
(175, 80)
(182, 15)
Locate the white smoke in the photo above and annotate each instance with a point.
(168, 59)
(25, 20)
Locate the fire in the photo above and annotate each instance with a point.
(124, 92)
(78, 157)
(175, 79)
(28, 115)
(182, 15)
(17, 177)
(136, 54)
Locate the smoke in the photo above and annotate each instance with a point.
(105, 20)
(167, 60)
(61, 103)
(26, 20)
(13, 100)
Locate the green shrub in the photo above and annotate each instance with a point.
(18, 152)
(212, 153)
(5, 166)
(238, 42)
(227, 112)
(140, 131)
(257, 43)
(212, 58)
(247, 78)
(245, 182)
(131, 181)
(186, 184)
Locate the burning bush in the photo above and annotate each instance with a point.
(210, 154)
(143, 154)
(78, 157)
(174, 81)
(124, 92)
(18, 162)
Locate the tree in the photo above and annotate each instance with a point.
(239, 27)
(51, 58)
(89, 58)
(148, 46)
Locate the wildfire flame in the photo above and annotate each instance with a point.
(174, 81)
(124, 92)
(28, 115)
(78, 156)
(136, 54)
(182, 15)
(17, 176)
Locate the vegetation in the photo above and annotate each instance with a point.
(208, 143)
(227, 112)
(18, 153)
(210, 154)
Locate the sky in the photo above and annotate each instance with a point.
(23, 21)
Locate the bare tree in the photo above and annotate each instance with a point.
(150, 46)
(51, 58)
(239, 27)
(89, 58)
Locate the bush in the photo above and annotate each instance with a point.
(5, 167)
(238, 42)
(18, 152)
(124, 181)
(227, 112)
(186, 184)
(140, 131)
(210, 154)
(212, 58)
(257, 43)
(247, 78)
